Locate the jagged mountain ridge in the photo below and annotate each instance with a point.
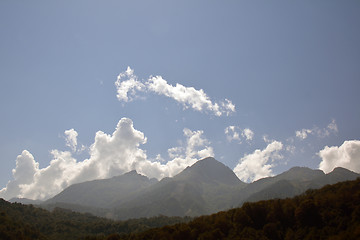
(206, 187)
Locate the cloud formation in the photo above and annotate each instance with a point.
(71, 139)
(346, 156)
(234, 133)
(304, 133)
(110, 155)
(259, 164)
(128, 86)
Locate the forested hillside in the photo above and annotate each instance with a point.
(332, 212)
(25, 222)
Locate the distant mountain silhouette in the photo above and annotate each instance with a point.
(293, 182)
(206, 187)
(103, 193)
(209, 171)
(279, 186)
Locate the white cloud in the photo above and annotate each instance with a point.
(346, 156)
(71, 139)
(110, 155)
(233, 133)
(303, 133)
(324, 132)
(259, 164)
(248, 134)
(24, 172)
(128, 85)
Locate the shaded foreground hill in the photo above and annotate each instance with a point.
(332, 212)
(26, 222)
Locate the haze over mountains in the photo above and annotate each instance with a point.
(206, 187)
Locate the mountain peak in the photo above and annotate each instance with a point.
(340, 172)
(300, 173)
(209, 170)
(132, 172)
(341, 169)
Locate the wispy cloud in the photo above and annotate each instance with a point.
(316, 131)
(110, 155)
(128, 87)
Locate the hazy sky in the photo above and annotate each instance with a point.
(261, 85)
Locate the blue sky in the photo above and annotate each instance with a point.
(291, 69)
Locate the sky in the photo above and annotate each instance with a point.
(94, 89)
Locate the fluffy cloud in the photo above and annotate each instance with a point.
(128, 86)
(346, 156)
(233, 133)
(110, 155)
(304, 133)
(248, 134)
(259, 163)
(24, 172)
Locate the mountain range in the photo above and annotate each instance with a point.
(206, 187)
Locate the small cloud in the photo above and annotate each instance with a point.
(127, 84)
(71, 139)
(290, 148)
(234, 133)
(248, 134)
(303, 133)
(346, 156)
(259, 164)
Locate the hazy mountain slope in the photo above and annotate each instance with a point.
(102, 193)
(207, 186)
(298, 180)
(271, 191)
(25, 201)
(339, 174)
